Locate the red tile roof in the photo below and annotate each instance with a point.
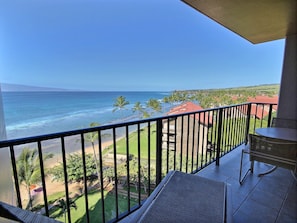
(263, 99)
(185, 107)
(191, 107)
(260, 111)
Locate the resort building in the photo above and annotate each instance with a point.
(195, 127)
(268, 106)
(263, 111)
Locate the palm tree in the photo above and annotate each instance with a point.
(92, 137)
(63, 205)
(138, 108)
(154, 104)
(120, 103)
(145, 114)
(28, 169)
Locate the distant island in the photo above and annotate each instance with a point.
(5, 87)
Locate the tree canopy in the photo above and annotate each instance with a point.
(75, 170)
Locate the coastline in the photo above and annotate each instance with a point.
(76, 149)
(29, 114)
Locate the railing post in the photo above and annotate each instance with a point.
(269, 115)
(16, 179)
(159, 152)
(218, 149)
(247, 129)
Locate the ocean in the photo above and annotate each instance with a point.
(37, 113)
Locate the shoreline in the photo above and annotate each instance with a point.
(57, 158)
(67, 115)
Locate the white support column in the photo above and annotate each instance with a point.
(6, 183)
(2, 121)
(287, 105)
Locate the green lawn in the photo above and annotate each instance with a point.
(53, 197)
(133, 143)
(95, 207)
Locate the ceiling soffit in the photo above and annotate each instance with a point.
(255, 20)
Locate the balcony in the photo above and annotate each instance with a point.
(141, 153)
(270, 198)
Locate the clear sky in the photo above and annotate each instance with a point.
(127, 45)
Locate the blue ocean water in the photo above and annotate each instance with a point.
(37, 113)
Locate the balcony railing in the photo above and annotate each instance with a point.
(122, 173)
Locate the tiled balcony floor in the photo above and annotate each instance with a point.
(270, 198)
(267, 199)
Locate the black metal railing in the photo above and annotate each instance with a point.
(122, 163)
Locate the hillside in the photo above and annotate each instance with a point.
(264, 88)
(210, 98)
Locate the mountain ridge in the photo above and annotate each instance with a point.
(7, 87)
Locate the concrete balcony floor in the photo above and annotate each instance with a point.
(267, 199)
(270, 198)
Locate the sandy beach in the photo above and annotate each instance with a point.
(57, 158)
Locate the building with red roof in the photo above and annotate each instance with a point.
(263, 110)
(177, 134)
(188, 107)
(261, 105)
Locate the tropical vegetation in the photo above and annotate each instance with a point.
(28, 169)
(75, 169)
(92, 137)
(120, 103)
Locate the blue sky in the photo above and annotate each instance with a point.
(127, 45)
